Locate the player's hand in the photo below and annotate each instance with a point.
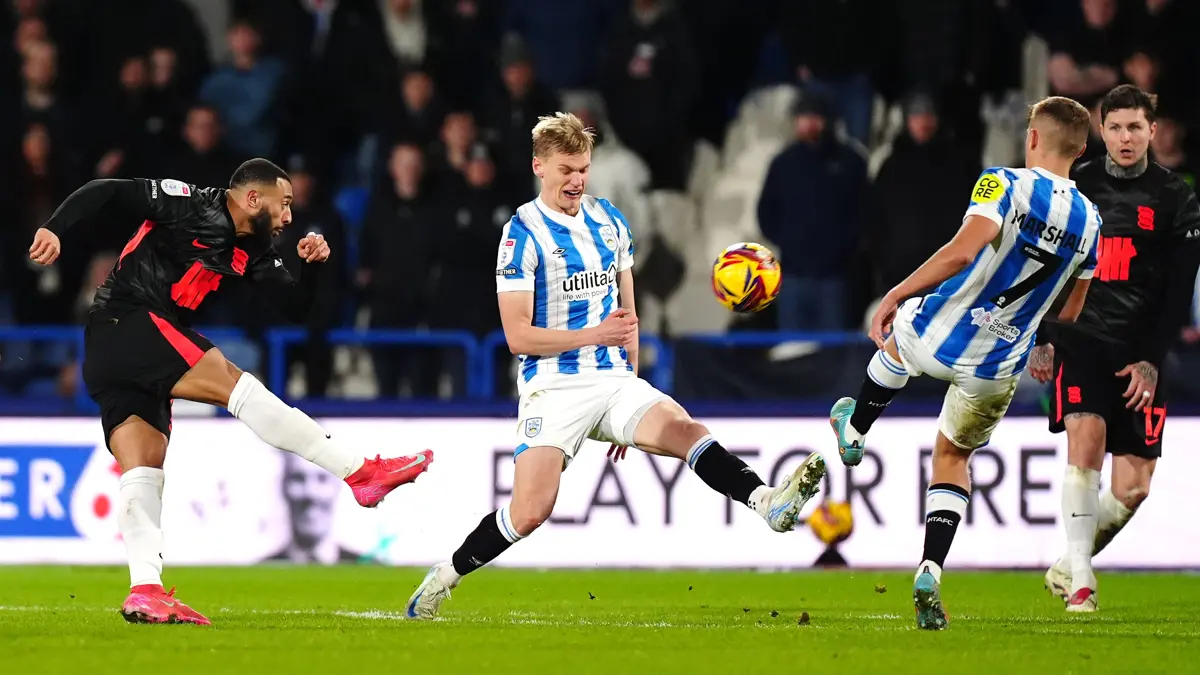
(45, 248)
(1143, 380)
(617, 452)
(1041, 362)
(881, 322)
(312, 248)
(618, 330)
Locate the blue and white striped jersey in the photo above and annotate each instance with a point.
(982, 320)
(571, 265)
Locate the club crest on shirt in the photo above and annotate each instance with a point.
(533, 426)
(608, 234)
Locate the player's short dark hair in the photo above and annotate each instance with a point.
(1128, 97)
(1073, 122)
(257, 171)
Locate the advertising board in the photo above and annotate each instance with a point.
(232, 500)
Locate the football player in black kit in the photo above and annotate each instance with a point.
(140, 354)
(1108, 394)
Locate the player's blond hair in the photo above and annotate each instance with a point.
(1066, 124)
(563, 133)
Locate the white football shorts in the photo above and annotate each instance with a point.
(561, 412)
(973, 406)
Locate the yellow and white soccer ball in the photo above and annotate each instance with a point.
(746, 277)
(832, 522)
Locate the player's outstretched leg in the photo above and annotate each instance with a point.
(216, 381)
(140, 449)
(852, 418)
(536, 479)
(945, 504)
(667, 429)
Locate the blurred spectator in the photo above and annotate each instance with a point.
(41, 294)
(471, 218)
(1095, 143)
(617, 174)
(565, 38)
(835, 60)
(1086, 59)
(404, 31)
(512, 111)
(202, 160)
(397, 254)
(467, 39)
(167, 100)
(448, 158)
(918, 194)
(124, 146)
(40, 99)
(1168, 148)
(246, 94)
(415, 116)
(649, 84)
(809, 209)
(312, 211)
(725, 74)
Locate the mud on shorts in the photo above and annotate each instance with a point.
(973, 406)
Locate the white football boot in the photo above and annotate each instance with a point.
(1058, 580)
(786, 500)
(429, 596)
(1084, 600)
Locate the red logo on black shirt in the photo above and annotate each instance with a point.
(1113, 256)
(1146, 218)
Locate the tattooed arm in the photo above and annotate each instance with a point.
(1143, 381)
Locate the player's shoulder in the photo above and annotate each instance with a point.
(524, 219)
(170, 187)
(602, 206)
(1173, 183)
(993, 183)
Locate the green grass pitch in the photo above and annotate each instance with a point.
(285, 620)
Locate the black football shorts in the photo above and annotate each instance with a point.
(132, 361)
(1085, 382)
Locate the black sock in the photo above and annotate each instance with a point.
(722, 471)
(869, 405)
(485, 543)
(945, 504)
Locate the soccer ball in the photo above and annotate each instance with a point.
(832, 522)
(745, 277)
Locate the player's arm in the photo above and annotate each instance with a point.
(134, 200)
(1182, 259)
(625, 297)
(1069, 302)
(292, 297)
(952, 258)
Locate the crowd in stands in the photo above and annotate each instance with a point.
(405, 126)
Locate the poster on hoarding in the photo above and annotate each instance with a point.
(229, 499)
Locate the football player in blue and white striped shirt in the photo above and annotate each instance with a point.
(564, 279)
(1027, 246)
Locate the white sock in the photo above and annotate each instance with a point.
(139, 517)
(1113, 516)
(448, 576)
(760, 500)
(288, 428)
(1081, 512)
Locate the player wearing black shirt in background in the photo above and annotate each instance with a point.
(140, 354)
(1107, 389)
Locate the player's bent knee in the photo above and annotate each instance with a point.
(136, 443)
(1133, 497)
